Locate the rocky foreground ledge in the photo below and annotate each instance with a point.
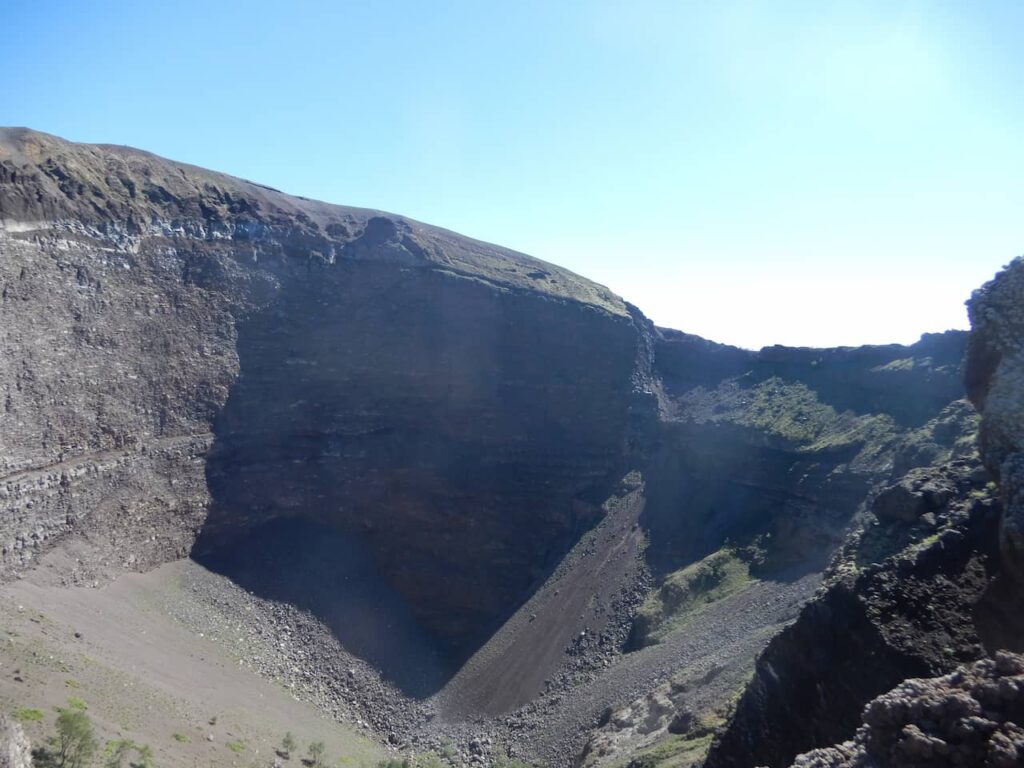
(971, 718)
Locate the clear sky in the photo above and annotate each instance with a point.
(813, 173)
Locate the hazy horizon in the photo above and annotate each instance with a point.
(803, 176)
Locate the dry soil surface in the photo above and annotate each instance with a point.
(145, 676)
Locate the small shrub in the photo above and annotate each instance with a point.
(180, 737)
(73, 746)
(116, 752)
(145, 759)
(317, 750)
(76, 703)
(28, 715)
(288, 744)
(236, 746)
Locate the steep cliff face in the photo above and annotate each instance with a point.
(459, 431)
(755, 470)
(353, 412)
(187, 351)
(928, 582)
(902, 602)
(779, 448)
(995, 383)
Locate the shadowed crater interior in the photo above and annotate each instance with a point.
(433, 441)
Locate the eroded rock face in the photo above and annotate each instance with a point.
(15, 750)
(185, 352)
(902, 601)
(933, 579)
(780, 447)
(995, 381)
(191, 362)
(971, 717)
(465, 434)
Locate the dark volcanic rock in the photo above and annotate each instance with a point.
(932, 581)
(781, 447)
(185, 350)
(971, 717)
(910, 615)
(340, 408)
(916, 494)
(995, 381)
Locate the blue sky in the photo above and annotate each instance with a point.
(811, 173)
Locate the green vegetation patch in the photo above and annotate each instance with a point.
(28, 715)
(683, 750)
(792, 411)
(180, 737)
(235, 746)
(72, 746)
(674, 752)
(76, 703)
(119, 753)
(686, 592)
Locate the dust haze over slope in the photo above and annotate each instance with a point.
(468, 465)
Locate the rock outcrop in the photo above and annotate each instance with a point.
(901, 602)
(15, 750)
(930, 580)
(995, 383)
(971, 717)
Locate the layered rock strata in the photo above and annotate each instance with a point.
(930, 580)
(193, 364)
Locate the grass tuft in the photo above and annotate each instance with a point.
(28, 715)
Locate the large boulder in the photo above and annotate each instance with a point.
(972, 717)
(919, 492)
